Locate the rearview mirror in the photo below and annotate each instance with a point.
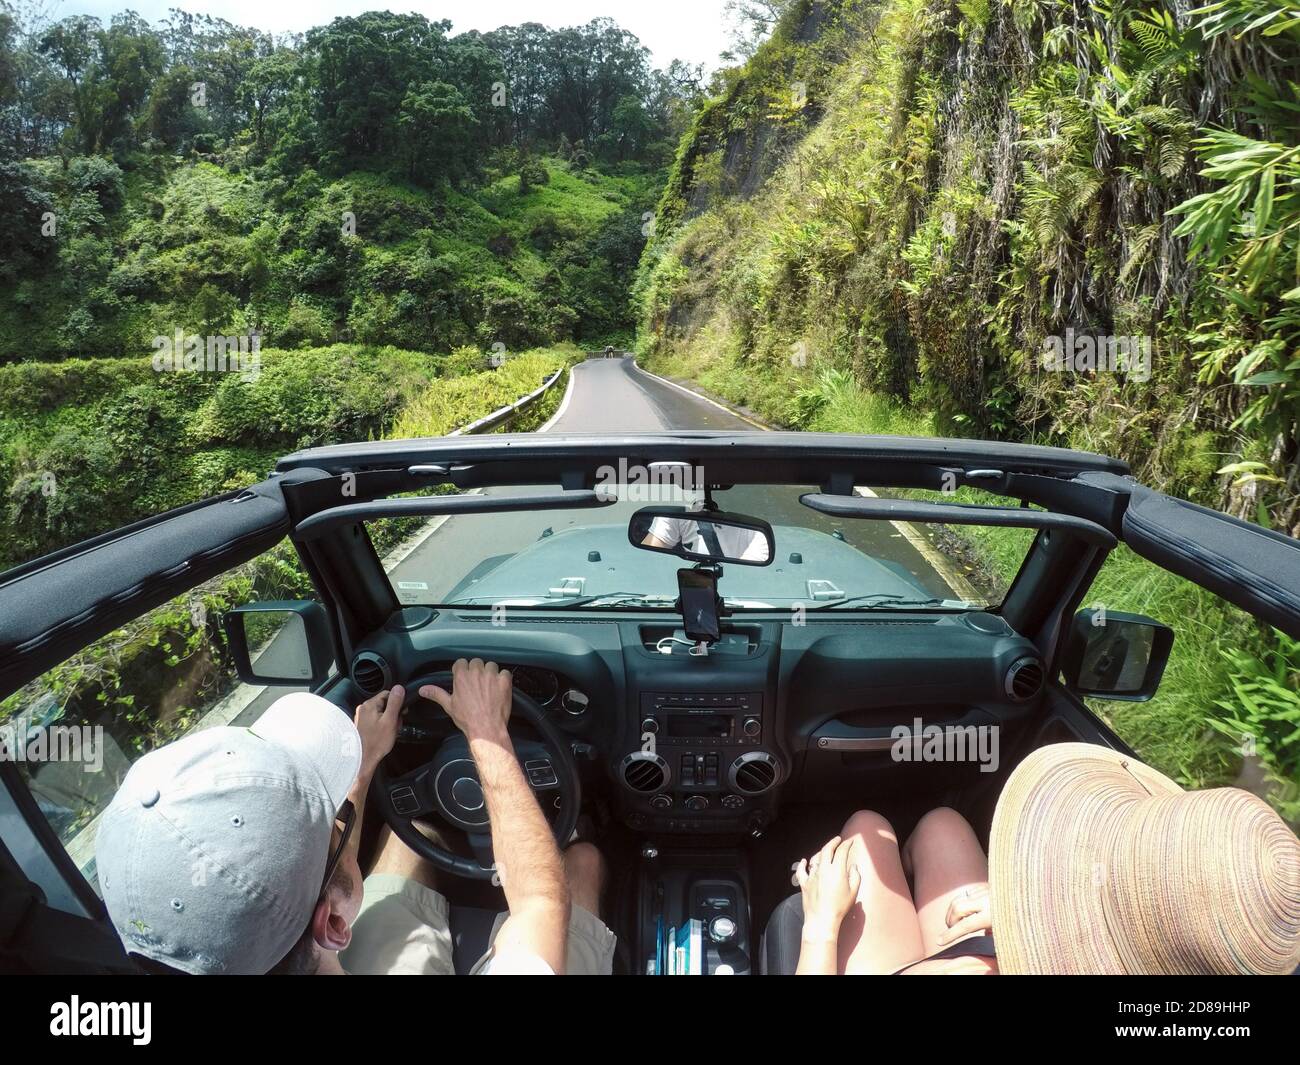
(280, 643)
(703, 536)
(1116, 656)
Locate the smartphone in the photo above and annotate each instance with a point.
(699, 592)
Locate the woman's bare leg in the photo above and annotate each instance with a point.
(944, 858)
(880, 932)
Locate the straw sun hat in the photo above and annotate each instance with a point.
(1099, 864)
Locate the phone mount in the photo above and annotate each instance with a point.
(701, 644)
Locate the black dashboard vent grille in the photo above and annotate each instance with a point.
(754, 772)
(644, 772)
(486, 619)
(370, 673)
(1025, 679)
(879, 622)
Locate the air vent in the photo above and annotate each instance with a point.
(370, 673)
(754, 772)
(644, 772)
(1025, 679)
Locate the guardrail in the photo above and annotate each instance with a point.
(504, 414)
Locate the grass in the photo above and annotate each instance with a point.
(448, 404)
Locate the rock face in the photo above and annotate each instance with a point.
(924, 195)
(743, 141)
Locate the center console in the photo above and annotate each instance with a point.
(693, 914)
(699, 751)
(701, 764)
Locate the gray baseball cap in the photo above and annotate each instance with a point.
(211, 855)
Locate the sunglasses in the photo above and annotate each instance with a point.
(343, 820)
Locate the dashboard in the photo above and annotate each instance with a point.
(778, 711)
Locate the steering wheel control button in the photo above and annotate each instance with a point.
(541, 774)
(468, 793)
(404, 801)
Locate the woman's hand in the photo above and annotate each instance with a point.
(968, 912)
(829, 883)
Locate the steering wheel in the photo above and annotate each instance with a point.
(448, 784)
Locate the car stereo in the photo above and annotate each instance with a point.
(703, 719)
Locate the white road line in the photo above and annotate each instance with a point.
(712, 402)
(416, 540)
(960, 586)
(564, 404)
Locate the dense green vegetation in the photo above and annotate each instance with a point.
(890, 208)
(920, 193)
(151, 680)
(375, 208)
(375, 181)
(91, 444)
(875, 223)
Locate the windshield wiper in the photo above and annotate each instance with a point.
(618, 599)
(556, 603)
(890, 601)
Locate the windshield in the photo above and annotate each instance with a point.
(582, 558)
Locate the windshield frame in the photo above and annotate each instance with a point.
(657, 593)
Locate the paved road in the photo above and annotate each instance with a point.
(613, 395)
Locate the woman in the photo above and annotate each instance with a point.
(1098, 864)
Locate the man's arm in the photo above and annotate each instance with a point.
(664, 533)
(377, 720)
(527, 859)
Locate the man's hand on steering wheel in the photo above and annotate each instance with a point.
(480, 704)
(378, 720)
(481, 701)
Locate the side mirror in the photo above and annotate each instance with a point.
(280, 643)
(703, 535)
(1116, 656)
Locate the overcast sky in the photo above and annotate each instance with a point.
(692, 30)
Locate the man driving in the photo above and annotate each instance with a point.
(706, 538)
(235, 850)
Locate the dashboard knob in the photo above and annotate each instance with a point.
(661, 802)
(722, 929)
(752, 726)
(697, 802)
(574, 702)
(650, 725)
